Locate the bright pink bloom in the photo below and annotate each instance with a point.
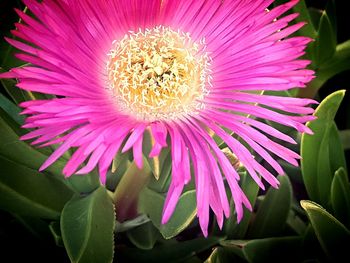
(183, 69)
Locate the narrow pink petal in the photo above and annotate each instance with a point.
(94, 159)
(74, 136)
(171, 200)
(137, 152)
(135, 135)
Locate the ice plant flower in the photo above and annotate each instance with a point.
(182, 69)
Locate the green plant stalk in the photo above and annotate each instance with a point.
(126, 194)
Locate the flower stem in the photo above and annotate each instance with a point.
(126, 195)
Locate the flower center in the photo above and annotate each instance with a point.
(158, 74)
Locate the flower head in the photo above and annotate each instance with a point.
(183, 70)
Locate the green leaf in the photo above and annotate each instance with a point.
(84, 183)
(151, 203)
(304, 16)
(162, 184)
(326, 42)
(315, 15)
(11, 123)
(340, 196)
(322, 152)
(338, 63)
(293, 172)
(332, 235)
(171, 251)
(143, 236)
(20, 152)
(27, 192)
(273, 212)
(156, 163)
(119, 166)
(87, 224)
(11, 109)
(132, 223)
(268, 249)
(231, 228)
(295, 223)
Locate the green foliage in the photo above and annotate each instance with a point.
(266, 249)
(340, 196)
(322, 152)
(143, 236)
(169, 252)
(231, 228)
(36, 200)
(304, 16)
(11, 109)
(87, 224)
(333, 236)
(151, 203)
(20, 152)
(271, 217)
(326, 42)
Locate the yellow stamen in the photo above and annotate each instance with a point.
(158, 74)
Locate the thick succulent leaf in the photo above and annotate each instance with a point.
(84, 183)
(25, 191)
(156, 163)
(272, 214)
(304, 16)
(231, 228)
(338, 63)
(12, 148)
(340, 196)
(132, 223)
(161, 184)
(267, 249)
(170, 251)
(333, 236)
(326, 41)
(151, 203)
(143, 236)
(295, 223)
(322, 153)
(11, 109)
(87, 224)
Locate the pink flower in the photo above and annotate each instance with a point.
(182, 69)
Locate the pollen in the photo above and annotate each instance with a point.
(159, 74)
